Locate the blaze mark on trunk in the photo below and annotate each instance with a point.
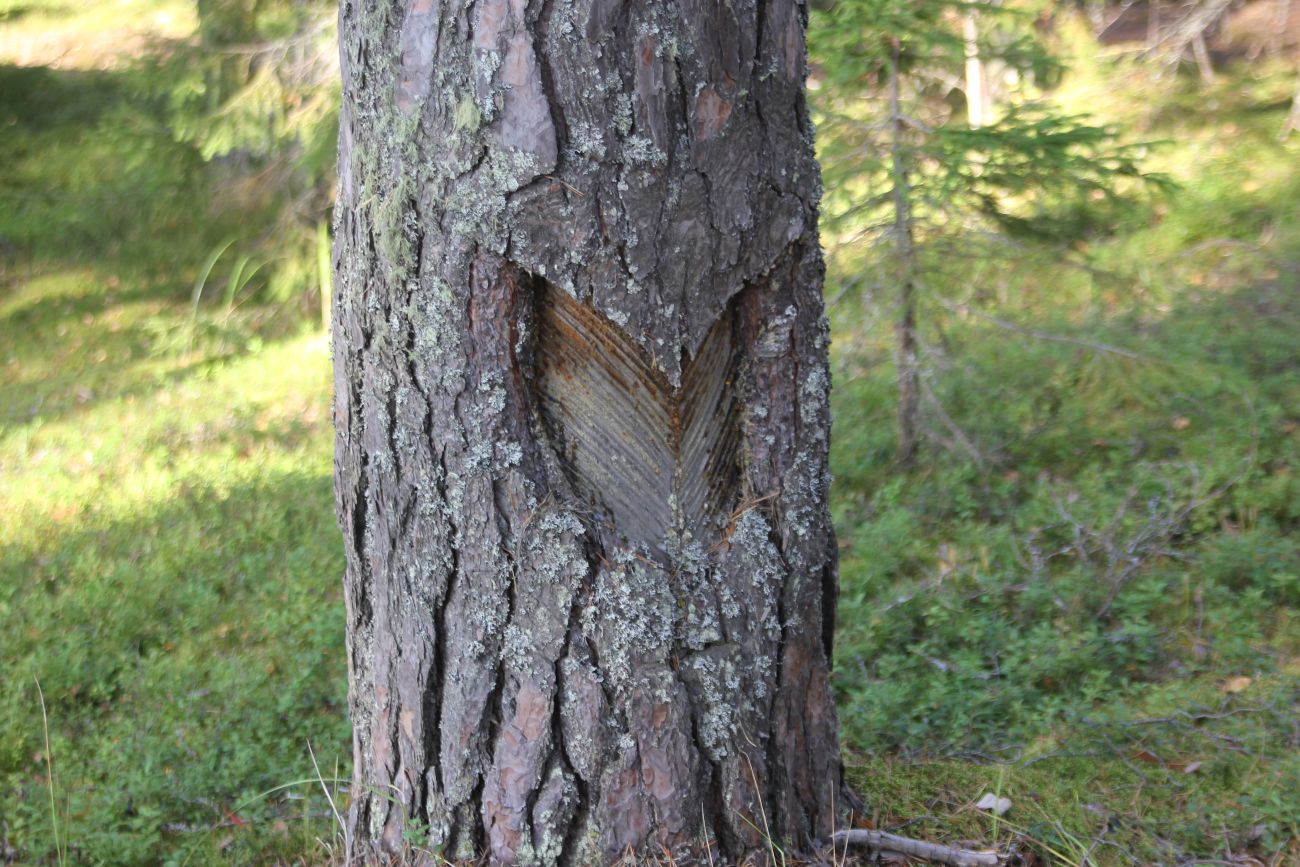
(654, 460)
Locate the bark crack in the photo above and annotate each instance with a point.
(541, 36)
(440, 616)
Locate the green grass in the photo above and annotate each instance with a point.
(100, 35)
(169, 560)
(986, 632)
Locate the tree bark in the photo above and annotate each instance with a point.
(581, 407)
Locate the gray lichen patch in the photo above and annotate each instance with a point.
(584, 714)
(556, 805)
(715, 675)
(631, 617)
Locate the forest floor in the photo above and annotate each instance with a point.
(1083, 599)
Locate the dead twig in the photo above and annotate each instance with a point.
(936, 853)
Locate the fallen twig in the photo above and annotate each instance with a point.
(933, 852)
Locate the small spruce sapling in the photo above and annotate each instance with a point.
(914, 168)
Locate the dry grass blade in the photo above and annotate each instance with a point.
(60, 849)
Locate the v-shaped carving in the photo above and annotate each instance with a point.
(653, 460)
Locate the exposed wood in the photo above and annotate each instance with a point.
(659, 464)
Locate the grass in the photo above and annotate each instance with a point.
(169, 561)
(1100, 602)
(103, 35)
(169, 566)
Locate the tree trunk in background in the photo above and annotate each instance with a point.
(905, 344)
(1292, 123)
(1201, 53)
(978, 103)
(581, 402)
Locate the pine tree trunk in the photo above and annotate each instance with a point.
(581, 402)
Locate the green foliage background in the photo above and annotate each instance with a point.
(1086, 586)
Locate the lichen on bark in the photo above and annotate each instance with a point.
(534, 678)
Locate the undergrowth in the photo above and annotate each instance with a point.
(1091, 583)
(1083, 597)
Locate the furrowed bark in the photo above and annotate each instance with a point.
(581, 403)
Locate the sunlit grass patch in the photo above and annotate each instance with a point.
(99, 35)
(169, 566)
(173, 560)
